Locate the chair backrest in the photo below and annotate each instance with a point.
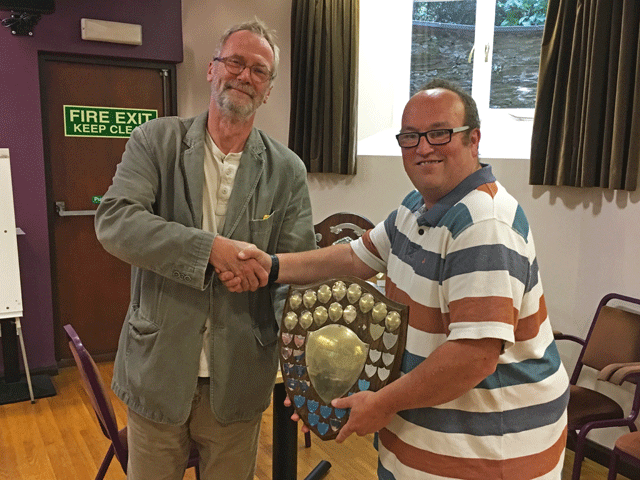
(97, 392)
(341, 227)
(614, 335)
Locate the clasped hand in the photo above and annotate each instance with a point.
(364, 417)
(236, 273)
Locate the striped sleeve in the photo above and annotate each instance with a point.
(374, 246)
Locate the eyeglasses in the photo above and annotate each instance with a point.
(236, 66)
(440, 136)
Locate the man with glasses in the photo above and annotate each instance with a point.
(483, 393)
(197, 364)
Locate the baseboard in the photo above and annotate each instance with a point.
(602, 455)
(101, 357)
(50, 370)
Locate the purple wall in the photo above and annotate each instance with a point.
(21, 129)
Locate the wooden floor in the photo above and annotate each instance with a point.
(58, 438)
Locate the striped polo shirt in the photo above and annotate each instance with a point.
(467, 269)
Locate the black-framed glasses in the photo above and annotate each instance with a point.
(440, 136)
(236, 66)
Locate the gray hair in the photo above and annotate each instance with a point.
(471, 116)
(258, 27)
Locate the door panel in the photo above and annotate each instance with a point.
(90, 287)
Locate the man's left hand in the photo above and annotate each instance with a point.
(364, 417)
(250, 254)
(224, 257)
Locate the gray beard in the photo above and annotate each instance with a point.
(238, 111)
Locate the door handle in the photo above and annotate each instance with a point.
(63, 212)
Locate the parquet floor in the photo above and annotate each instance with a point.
(58, 438)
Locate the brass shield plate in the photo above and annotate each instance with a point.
(338, 337)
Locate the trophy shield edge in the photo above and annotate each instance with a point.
(378, 296)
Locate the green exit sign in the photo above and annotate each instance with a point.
(106, 122)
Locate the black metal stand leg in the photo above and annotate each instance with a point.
(285, 442)
(285, 438)
(320, 471)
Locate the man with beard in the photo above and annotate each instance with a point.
(196, 363)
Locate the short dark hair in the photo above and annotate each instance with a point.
(258, 27)
(471, 116)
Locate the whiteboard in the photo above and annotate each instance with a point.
(10, 290)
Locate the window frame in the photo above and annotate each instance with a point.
(384, 89)
(482, 53)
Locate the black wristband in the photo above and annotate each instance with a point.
(275, 269)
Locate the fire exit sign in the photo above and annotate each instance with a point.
(80, 121)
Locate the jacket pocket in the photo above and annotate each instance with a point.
(260, 231)
(140, 326)
(142, 337)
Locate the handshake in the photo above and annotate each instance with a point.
(241, 266)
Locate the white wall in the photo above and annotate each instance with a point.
(587, 240)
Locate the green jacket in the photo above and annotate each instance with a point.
(151, 217)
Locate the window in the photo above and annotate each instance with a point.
(489, 47)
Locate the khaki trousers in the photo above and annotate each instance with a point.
(161, 452)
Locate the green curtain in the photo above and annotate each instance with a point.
(586, 128)
(323, 121)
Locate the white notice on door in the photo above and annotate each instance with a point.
(10, 291)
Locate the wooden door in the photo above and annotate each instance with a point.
(90, 287)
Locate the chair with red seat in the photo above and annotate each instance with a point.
(627, 448)
(612, 348)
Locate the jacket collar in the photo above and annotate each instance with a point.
(247, 177)
(249, 172)
(192, 165)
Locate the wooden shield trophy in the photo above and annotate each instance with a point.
(338, 337)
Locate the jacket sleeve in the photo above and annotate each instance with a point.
(128, 226)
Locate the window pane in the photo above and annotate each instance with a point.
(516, 53)
(442, 38)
